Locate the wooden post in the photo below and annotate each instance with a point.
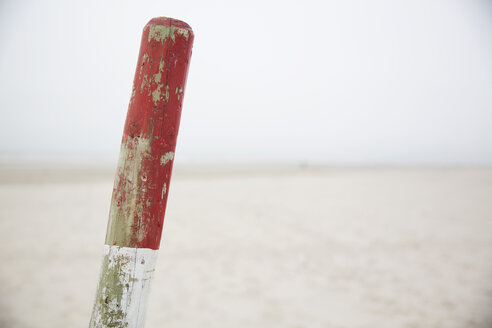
(142, 179)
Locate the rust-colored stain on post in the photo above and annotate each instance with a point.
(143, 175)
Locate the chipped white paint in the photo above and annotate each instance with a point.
(179, 92)
(124, 287)
(122, 214)
(134, 91)
(145, 84)
(167, 157)
(163, 192)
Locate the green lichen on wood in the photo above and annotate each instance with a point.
(134, 91)
(156, 94)
(179, 92)
(161, 32)
(166, 94)
(109, 304)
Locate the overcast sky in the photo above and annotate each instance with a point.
(321, 82)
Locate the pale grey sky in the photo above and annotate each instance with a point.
(322, 82)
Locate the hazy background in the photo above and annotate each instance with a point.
(333, 168)
(317, 82)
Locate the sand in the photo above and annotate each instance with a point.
(312, 247)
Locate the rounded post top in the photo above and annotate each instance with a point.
(167, 21)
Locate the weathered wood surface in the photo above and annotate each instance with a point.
(143, 175)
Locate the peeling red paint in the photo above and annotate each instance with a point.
(142, 180)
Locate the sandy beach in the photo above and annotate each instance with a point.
(273, 247)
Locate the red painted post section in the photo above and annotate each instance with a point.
(143, 175)
(149, 138)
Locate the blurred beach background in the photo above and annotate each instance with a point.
(333, 167)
